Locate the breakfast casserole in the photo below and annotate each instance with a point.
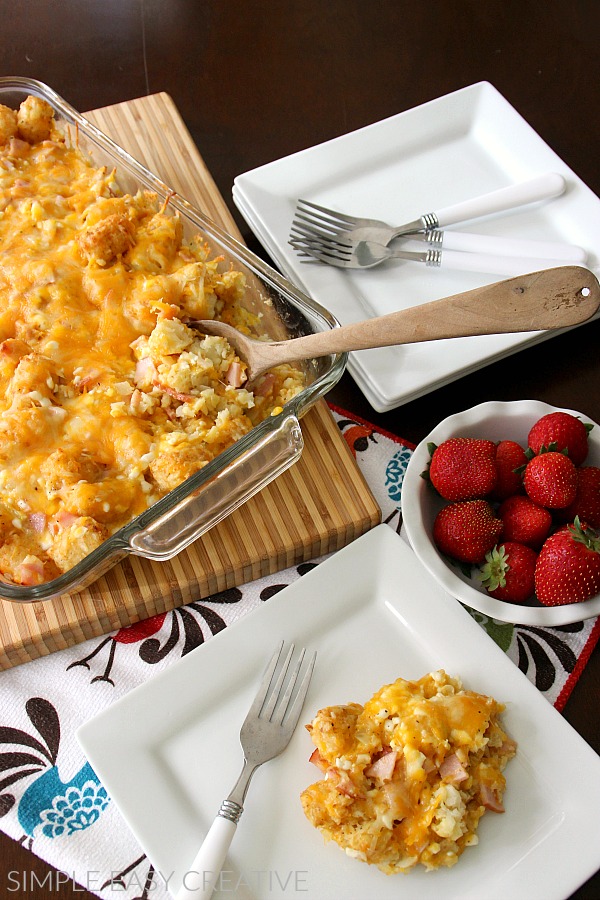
(108, 399)
(409, 774)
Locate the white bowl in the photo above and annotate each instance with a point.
(495, 421)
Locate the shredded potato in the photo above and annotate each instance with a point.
(107, 398)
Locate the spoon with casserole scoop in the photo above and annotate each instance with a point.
(550, 299)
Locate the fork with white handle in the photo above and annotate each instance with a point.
(314, 220)
(266, 732)
(350, 254)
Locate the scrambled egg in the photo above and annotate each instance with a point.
(108, 400)
(409, 775)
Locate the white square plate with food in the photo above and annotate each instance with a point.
(450, 149)
(168, 753)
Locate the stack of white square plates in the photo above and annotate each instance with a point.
(459, 146)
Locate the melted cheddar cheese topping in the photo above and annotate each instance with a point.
(108, 400)
(409, 774)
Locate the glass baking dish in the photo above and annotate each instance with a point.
(236, 474)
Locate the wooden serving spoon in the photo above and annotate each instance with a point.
(552, 298)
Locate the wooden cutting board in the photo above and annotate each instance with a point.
(317, 506)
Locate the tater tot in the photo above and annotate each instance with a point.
(75, 541)
(34, 119)
(171, 468)
(59, 469)
(8, 124)
(106, 241)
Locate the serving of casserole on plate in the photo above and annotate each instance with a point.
(115, 412)
(408, 776)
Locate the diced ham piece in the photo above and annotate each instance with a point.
(452, 770)
(30, 572)
(177, 395)
(63, 520)
(235, 375)
(490, 800)
(145, 371)
(266, 385)
(383, 768)
(317, 760)
(341, 779)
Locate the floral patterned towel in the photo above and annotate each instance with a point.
(51, 799)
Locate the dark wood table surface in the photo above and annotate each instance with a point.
(256, 80)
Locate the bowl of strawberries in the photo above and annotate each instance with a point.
(501, 503)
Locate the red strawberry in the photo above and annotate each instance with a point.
(509, 572)
(467, 530)
(463, 468)
(562, 432)
(586, 504)
(550, 480)
(510, 456)
(568, 566)
(524, 521)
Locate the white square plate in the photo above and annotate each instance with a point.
(168, 753)
(458, 146)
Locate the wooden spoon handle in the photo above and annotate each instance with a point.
(552, 298)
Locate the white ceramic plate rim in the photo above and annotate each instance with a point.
(167, 751)
(418, 524)
(395, 170)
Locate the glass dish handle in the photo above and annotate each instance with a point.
(247, 474)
